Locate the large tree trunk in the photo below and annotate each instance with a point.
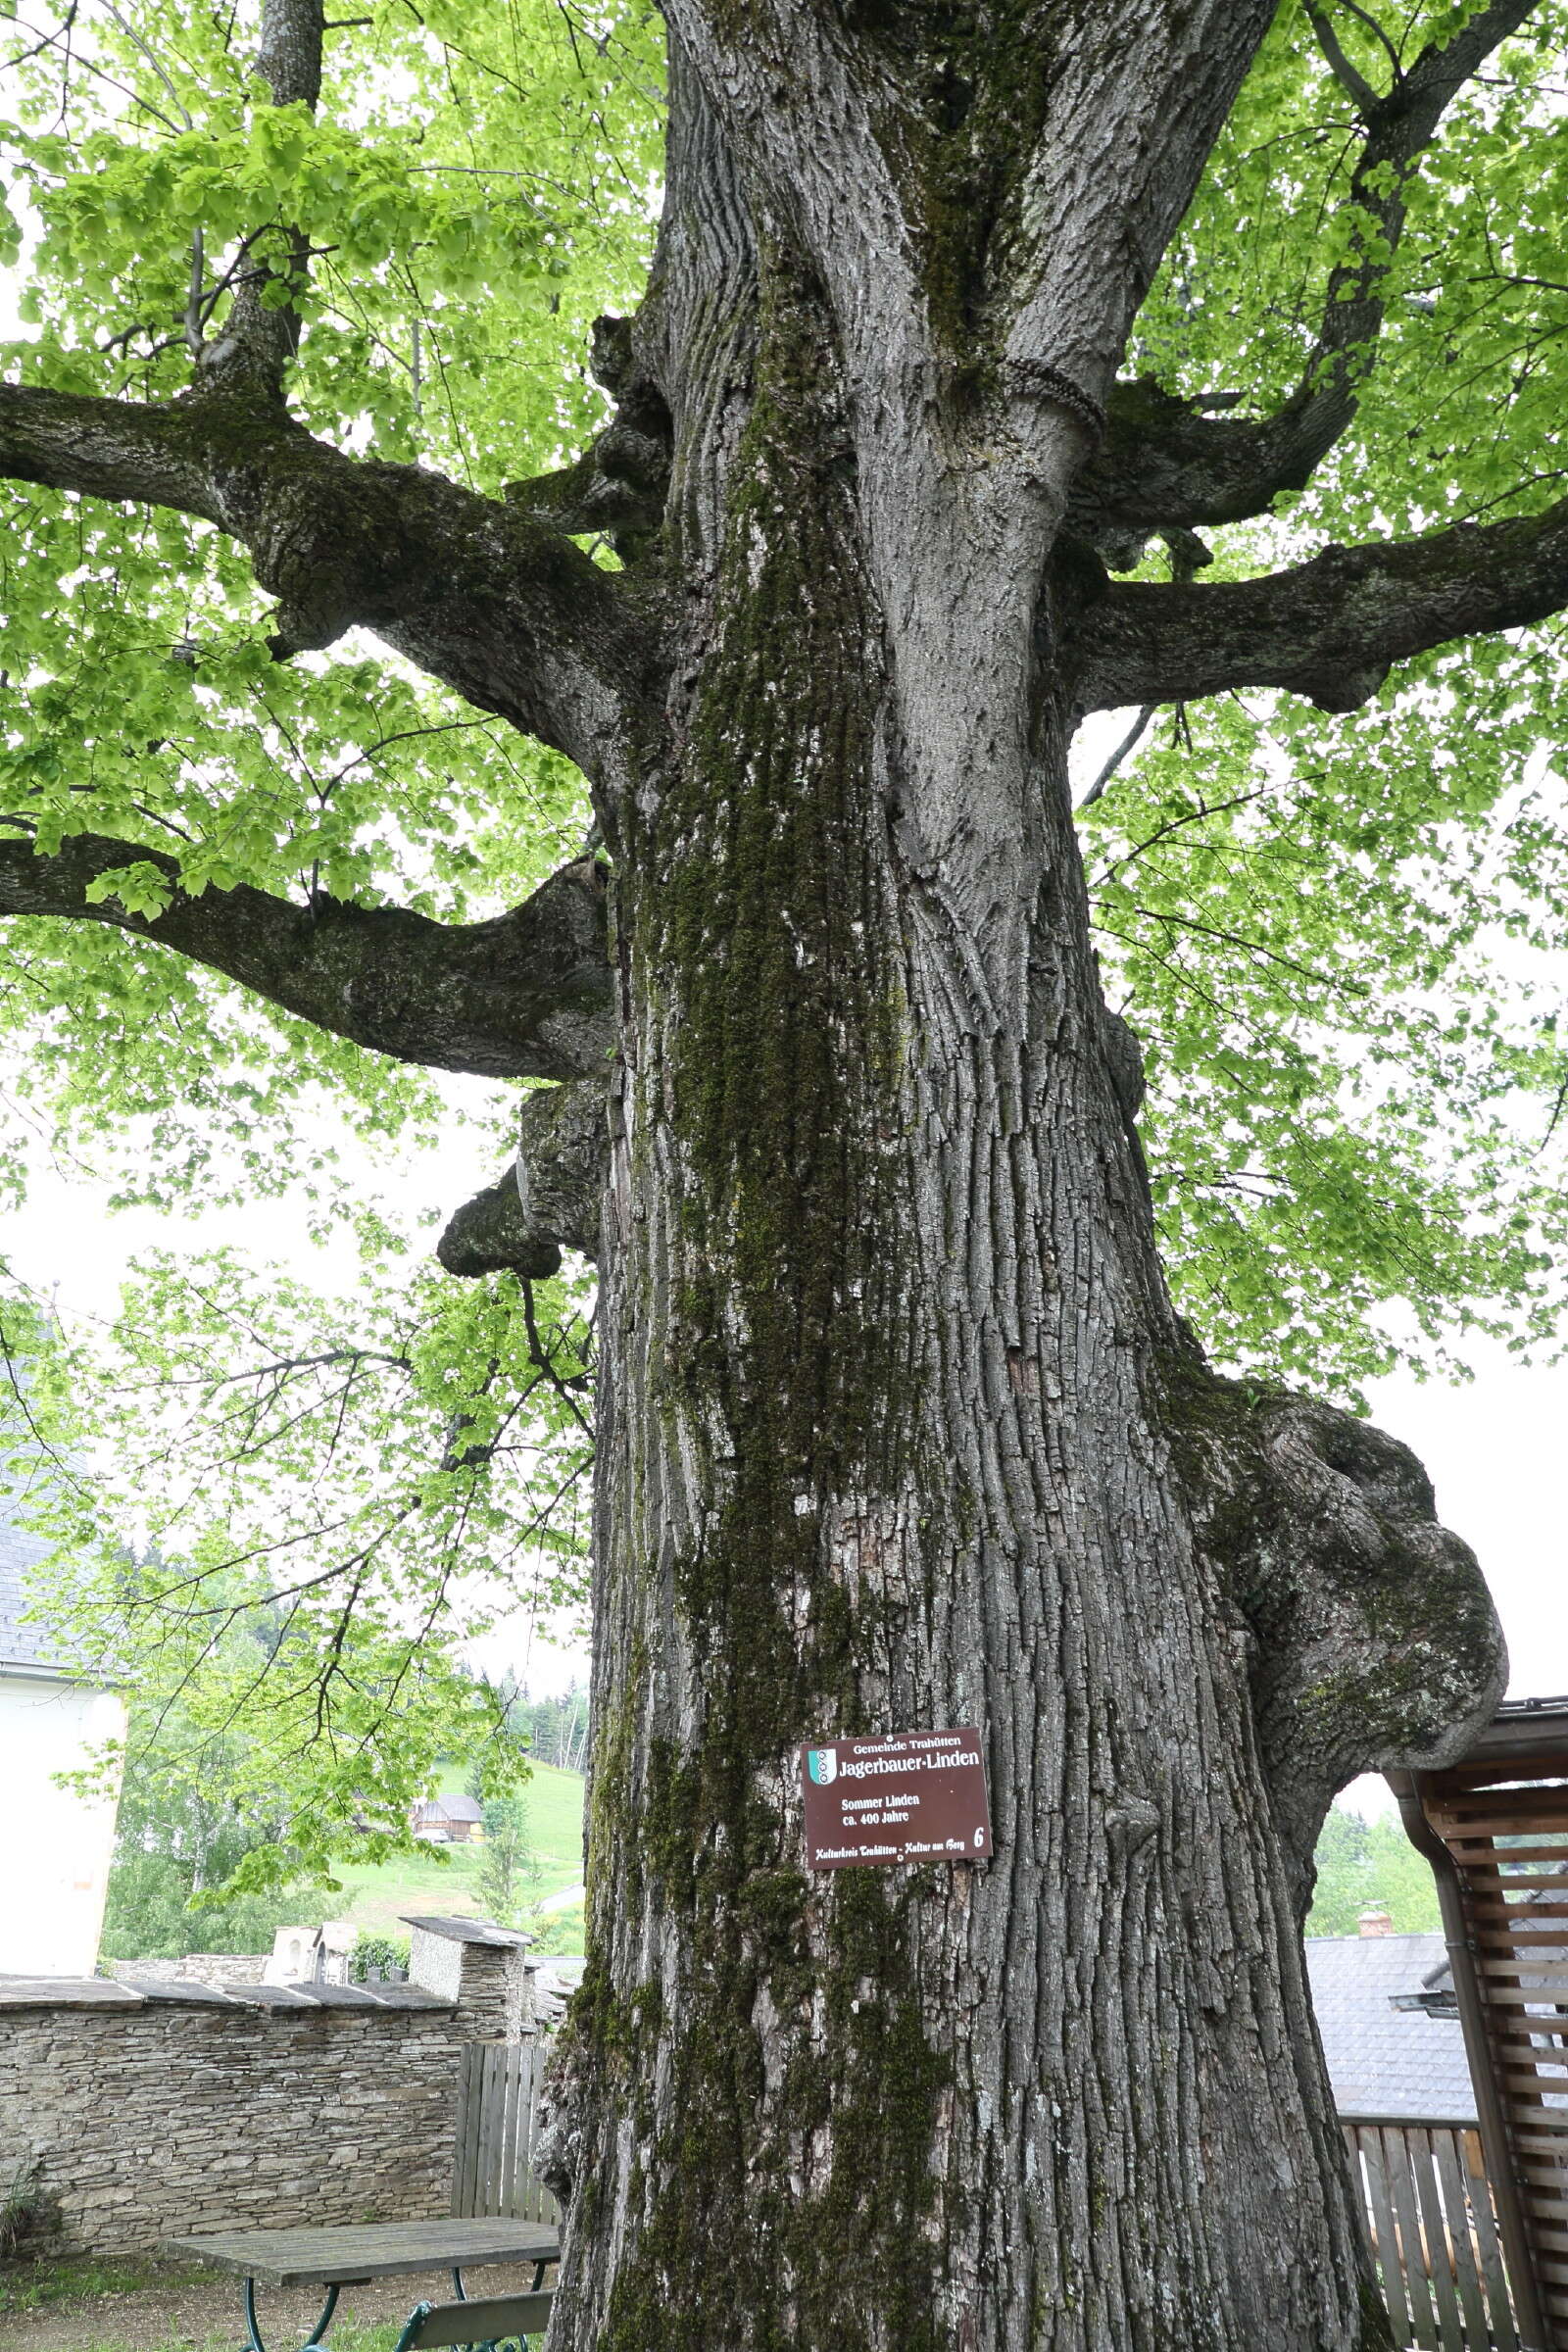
(900, 1431)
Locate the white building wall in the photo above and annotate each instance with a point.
(55, 1845)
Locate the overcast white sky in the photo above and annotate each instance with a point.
(68, 1243)
(1497, 1453)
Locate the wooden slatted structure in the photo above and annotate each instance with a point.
(498, 2097)
(1496, 1828)
(1434, 2233)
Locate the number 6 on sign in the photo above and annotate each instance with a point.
(979, 1836)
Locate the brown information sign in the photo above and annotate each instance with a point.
(915, 1796)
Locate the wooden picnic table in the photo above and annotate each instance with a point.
(354, 2256)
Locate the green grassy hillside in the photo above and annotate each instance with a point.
(445, 1877)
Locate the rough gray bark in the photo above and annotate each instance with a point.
(898, 1426)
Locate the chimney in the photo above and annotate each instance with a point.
(1375, 1922)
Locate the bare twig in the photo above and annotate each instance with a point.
(1127, 746)
(540, 1356)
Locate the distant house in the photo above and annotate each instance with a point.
(1389, 2059)
(55, 1845)
(449, 1820)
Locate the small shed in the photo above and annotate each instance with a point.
(1495, 1829)
(449, 1820)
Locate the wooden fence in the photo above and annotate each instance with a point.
(1427, 2201)
(498, 2096)
(1433, 2224)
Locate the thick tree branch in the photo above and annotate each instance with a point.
(1360, 92)
(550, 1196)
(490, 1235)
(526, 995)
(513, 617)
(1082, 246)
(491, 598)
(617, 486)
(1164, 462)
(1330, 630)
(253, 353)
(620, 482)
(153, 456)
(289, 56)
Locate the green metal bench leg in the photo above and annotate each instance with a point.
(326, 2319)
(411, 2327)
(316, 2332)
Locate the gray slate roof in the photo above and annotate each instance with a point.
(29, 1645)
(466, 1930)
(1387, 2062)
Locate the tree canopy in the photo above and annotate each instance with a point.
(1329, 900)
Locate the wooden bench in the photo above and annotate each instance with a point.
(351, 2256)
(485, 2322)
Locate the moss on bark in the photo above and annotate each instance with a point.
(768, 961)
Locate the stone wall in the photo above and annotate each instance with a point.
(193, 1968)
(153, 2108)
